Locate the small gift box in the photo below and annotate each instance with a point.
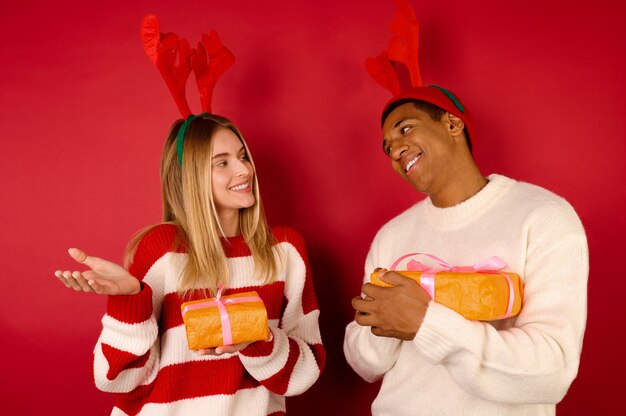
(225, 320)
(481, 292)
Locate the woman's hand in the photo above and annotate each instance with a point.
(230, 349)
(224, 349)
(105, 277)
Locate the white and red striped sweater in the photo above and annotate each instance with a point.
(142, 353)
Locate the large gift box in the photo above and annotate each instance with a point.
(481, 292)
(225, 320)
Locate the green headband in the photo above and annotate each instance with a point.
(452, 98)
(180, 137)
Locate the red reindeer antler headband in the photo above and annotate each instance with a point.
(209, 62)
(397, 69)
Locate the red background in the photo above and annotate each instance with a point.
(84, 116)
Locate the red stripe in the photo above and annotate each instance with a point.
(309, 301)
(235, 246)
(258, 349)
(156, 243)
(291, 236)
(153, 245)
(131, 309)
(189, 380)
(320, 355)
(120, 360)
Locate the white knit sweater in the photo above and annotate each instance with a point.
(519, 366)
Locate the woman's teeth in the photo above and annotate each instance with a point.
(240, 187)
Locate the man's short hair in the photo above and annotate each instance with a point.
(432, 110)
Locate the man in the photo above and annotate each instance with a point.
(432, 360)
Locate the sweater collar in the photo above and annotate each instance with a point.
(470, 209)
(235, 246)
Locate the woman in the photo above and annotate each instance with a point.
(214, 232)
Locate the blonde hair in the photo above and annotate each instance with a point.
(188, 204)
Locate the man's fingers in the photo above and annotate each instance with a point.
(372, 291)
(360, 305)
(365, 313)
(396, 279)
(365, 319)
(368, 290)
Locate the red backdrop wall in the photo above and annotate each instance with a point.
(84, 115)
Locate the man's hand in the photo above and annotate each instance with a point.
(105, 277)
(396, 311)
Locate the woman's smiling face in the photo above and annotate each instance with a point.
(232, 177)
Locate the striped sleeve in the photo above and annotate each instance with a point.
(126, 354)
(290, 363)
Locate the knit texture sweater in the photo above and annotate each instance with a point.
(142, 354)
(519, 366)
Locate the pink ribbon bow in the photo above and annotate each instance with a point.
(227, 333)
(427, 279)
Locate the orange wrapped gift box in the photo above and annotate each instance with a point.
(480, 295)
(225, 320)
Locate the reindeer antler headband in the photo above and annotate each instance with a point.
(397, 69)
(208, 61)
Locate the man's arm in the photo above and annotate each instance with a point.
(369, 355)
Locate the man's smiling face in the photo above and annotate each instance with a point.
(421, 149)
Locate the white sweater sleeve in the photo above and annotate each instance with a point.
(536, 358)
(293, 360)
(369, 356)
(128, 351)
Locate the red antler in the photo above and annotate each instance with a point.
(162, 49)
(208, 72)
(404, 45)
(397, 68)
(381, 69)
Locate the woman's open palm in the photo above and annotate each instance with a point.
(105, 277)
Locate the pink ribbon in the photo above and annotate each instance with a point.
(227, 333)
(427, 279)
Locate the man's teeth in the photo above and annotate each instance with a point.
(240, 187)
(411, 163)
